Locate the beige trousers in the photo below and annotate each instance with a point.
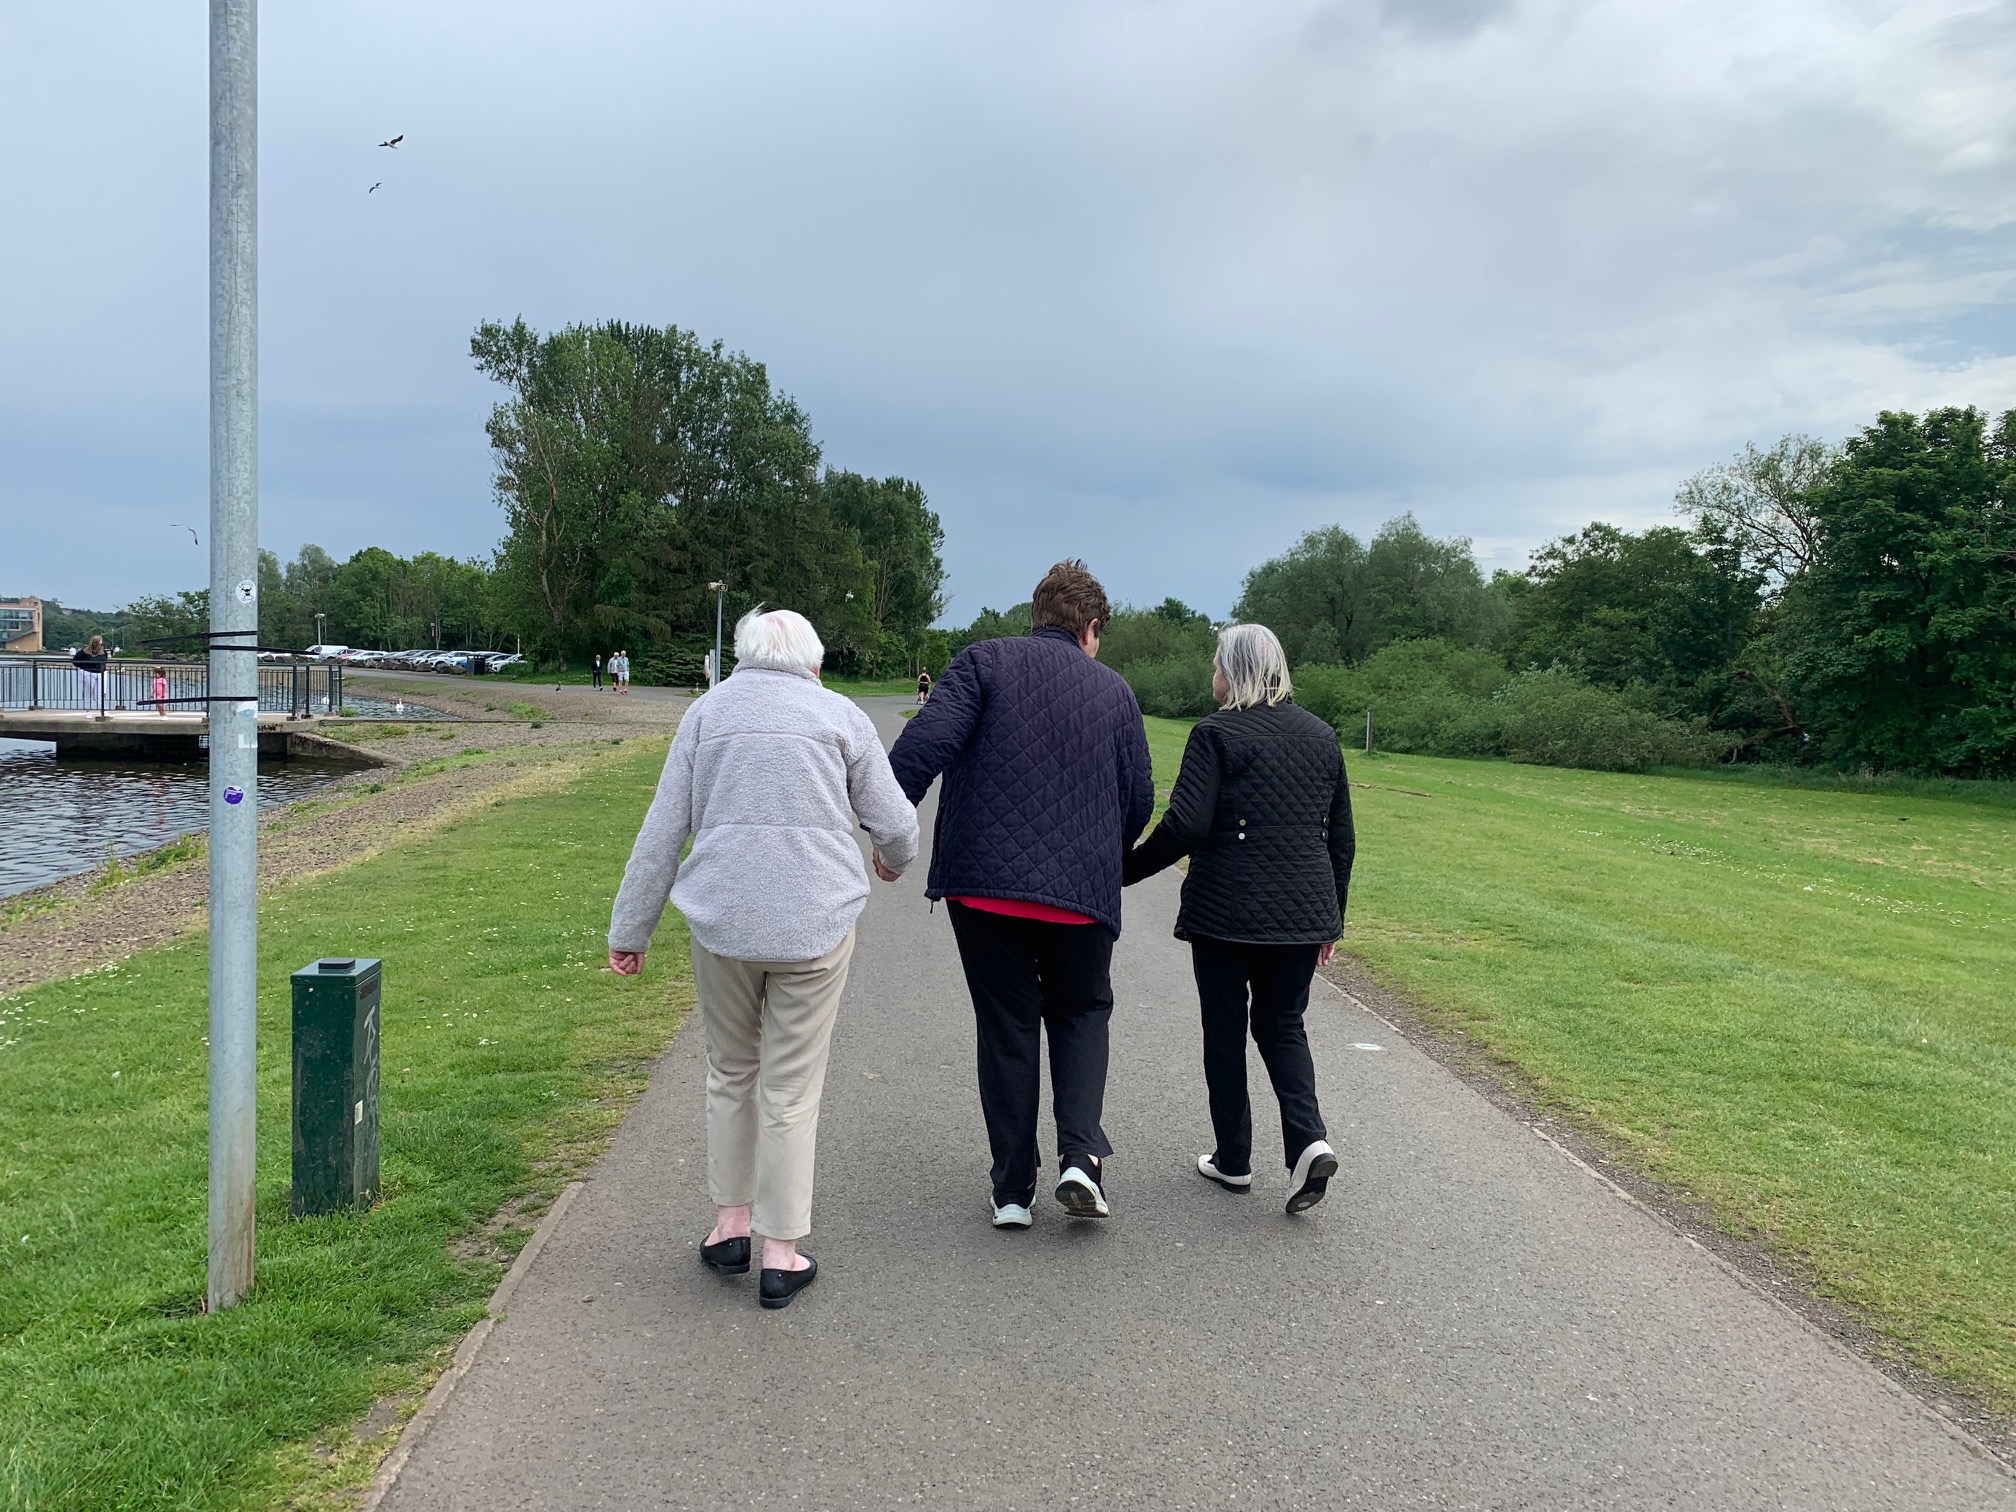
(769, 1025)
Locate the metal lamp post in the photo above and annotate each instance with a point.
(318, 627)
(234, 632)
(719, 590)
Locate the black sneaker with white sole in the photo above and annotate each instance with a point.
(1080, 1188)
(1311, 1176)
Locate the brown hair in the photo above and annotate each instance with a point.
(1070, 598)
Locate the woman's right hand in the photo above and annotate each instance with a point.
(627, 962)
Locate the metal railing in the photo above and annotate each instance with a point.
(298, 689)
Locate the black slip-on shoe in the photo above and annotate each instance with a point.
(776, 1288)
(1207, 1167)
(1311, 1176)
(730, 1257)
(1080, 1190)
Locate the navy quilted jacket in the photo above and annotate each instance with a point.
(1047, 781)
(1262, 808)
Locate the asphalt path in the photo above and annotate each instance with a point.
(1472, 1320)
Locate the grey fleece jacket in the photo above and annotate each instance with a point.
(769, 774)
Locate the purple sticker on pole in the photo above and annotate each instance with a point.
(234, 795)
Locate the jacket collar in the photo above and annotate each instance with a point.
(775, 672)
(1057, 631)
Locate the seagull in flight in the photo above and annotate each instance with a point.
(190, 528)
(395, 141)
(375, 187)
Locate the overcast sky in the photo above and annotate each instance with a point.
(1161, 284)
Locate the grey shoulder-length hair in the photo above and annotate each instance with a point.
(1254, 666)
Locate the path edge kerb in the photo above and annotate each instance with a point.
(467, 1351)
(1961, 1417)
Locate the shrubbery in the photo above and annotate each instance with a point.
(1177, 687)
(1426, 696)
(1554, 718)
(1432, 698)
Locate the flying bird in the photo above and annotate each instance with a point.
(190, 528)
(395, 141)
(375, 187)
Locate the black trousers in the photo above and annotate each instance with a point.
(1266, 987)
(1027, 977)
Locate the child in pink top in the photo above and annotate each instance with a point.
(161, 690)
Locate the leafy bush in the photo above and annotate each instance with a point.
(1178, 687)
(1553, 718)
(1426, 696)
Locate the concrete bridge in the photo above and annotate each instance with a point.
(114, 714)
(174, 736)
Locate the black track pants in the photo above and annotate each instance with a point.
(1027, 977)
(1266, 987)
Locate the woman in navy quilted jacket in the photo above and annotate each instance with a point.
(1263, 809)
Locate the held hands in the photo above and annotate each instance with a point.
(882, 871)
(626, 962)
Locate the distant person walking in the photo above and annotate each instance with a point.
(923, 689)
(90, 664)
(770, 775)
(595, 672)
(619, 667)
(1047, 783)
(1262, 807)
(161, 691)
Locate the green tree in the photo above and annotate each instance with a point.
(1651, 609)
(900, 540)
(1761, 505)
(1901, 635)
(1314, 596)
(1421, 588)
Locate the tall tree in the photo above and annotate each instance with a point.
(1651, 609)
(1314, 597)
(1901, 635)
(899, 538)
(1761, 505)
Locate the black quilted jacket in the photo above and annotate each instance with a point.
(1263, 809)
(1047, 781)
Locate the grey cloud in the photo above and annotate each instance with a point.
(1169, 282)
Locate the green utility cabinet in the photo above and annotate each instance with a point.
(335, 1084)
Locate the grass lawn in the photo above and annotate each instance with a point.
(509, 1055)
(1796, 1004)
(872, 687)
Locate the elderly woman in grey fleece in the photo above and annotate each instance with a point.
(770, 774)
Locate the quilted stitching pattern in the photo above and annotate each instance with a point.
(1047, 780)
(1263, 807)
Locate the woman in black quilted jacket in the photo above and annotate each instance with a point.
(1263, 809)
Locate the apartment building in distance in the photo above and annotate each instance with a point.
(21, 625)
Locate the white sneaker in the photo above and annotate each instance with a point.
(1080, 1194)
(1010, 1215)
(1311, 1177)
(1207, 1167)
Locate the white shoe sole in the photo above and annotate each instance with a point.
(1231, 1183)
(1013, 1216)
(1311, 1177)
(1081, 1196)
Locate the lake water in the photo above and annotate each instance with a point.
(58, 818)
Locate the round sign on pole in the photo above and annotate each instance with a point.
(248, 591)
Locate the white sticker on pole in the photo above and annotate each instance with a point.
(247, 591)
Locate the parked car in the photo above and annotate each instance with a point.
(324, 653)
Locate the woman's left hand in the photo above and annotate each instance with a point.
(627, 962)
(1325, 952)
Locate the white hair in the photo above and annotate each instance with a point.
(1254, 666)
(780, 640)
